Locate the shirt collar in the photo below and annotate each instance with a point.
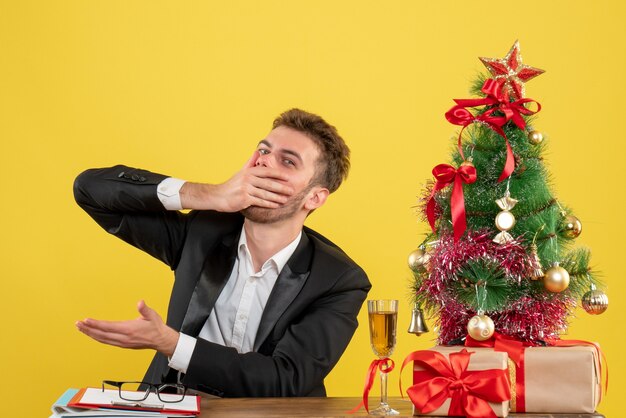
(278, 260)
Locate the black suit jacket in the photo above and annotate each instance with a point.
(309, 318)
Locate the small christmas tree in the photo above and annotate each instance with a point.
(500, 255)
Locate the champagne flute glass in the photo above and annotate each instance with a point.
(383, 318)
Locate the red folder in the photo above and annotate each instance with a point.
(94, 398)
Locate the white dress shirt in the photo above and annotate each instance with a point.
(235, 319)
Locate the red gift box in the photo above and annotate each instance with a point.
(450, 381)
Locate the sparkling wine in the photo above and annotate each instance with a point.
(383, 332)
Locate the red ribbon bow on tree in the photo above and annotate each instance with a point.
(470, 391)
(498, 97)
(444, 175)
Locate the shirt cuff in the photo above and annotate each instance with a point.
(168, 192)
(182, 354)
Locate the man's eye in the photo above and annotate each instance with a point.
(263, 151)
(287, 161)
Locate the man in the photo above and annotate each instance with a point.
(261, 304)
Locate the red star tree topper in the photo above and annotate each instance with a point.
(512, 70)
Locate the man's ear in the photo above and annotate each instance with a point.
(317, 197)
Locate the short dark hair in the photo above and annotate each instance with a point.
(334, 159)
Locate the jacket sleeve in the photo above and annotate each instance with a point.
(302, 357)
(124, 202)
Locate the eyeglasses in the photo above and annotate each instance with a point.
(166, 392)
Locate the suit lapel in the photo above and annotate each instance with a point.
(215, 273)
(288, 285)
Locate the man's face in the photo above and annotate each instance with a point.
(294, 154)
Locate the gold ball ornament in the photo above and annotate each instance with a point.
(595, 301)
(556, 279)
(535, 137)
(467, 163)
(572, 227)
(418, 260)
(480, 327)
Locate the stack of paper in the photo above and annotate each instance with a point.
(92, 402)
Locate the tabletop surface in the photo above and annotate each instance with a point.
(317, 407)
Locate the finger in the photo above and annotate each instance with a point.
(272, 186)
(255, 201)
(104, 337)
(95, 333)
(269, 197)
(143, 309)
(106, 326)
(252, 161)
(147, 312)
(269, 173)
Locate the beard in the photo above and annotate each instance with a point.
(271, 215)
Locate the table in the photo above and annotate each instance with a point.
(317, 407)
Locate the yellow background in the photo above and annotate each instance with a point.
(188, 88)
